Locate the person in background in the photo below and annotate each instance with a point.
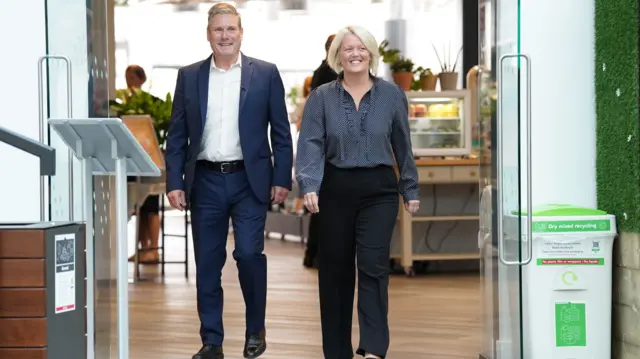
(135, 76)
(322, 75)
(354, 130)
(219, 164)
(296, 119)
(149, 221)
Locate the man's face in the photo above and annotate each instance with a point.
(133, 81)
(225, 35)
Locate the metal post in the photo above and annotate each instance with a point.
(88, 211)
(69, 152)
(122, 258)
(41, 135)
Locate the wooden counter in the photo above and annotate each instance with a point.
(436, 171)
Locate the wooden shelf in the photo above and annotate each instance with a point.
(441, 172)
(444, 218)
(444, 162)
(441, 256)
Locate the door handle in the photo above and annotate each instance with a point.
(41, 119)
(529, 226)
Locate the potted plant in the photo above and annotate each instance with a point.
(293, 96)
(139, 102)
(401, 67)
(402, 72)
(448, 76)
(134, 107)
(428, 80)
(387, 55)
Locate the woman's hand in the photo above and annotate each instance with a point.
(311, 202)
(412, 206)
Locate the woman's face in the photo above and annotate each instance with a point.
(354, 56)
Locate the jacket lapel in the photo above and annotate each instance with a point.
(245, 81)
(203, 87)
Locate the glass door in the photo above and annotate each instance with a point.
(75, 82)
(505, 170)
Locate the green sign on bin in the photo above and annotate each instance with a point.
(571, 325)
(589, 225)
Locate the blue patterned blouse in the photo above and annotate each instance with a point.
(334, 131)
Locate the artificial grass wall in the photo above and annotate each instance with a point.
(617, 111)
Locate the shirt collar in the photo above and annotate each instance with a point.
(375, 79)
(216, 68)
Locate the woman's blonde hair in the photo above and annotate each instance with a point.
(333, 57)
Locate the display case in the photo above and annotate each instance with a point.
(440, 123)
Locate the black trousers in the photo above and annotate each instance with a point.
(358, 210)
(312, 242)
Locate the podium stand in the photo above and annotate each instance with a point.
(106, 147)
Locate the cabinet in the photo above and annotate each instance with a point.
(440, 123)
(440, 172)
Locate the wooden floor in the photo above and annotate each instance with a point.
(431, 317)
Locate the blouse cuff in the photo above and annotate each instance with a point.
(309, 186)
(411, 196)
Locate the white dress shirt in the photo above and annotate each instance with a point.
(221, 136)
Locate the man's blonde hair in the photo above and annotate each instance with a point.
(223, 8)
(368, 40)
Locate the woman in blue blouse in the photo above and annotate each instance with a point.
(354, 130)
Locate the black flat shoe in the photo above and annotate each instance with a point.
(255, 345)
(209, 351)
(308, 262)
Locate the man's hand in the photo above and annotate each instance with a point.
(412, 206)
(177, 199)
(279, 194)
(311, 202)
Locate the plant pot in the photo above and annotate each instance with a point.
(403, 79)
(448, 81)
(429, 82)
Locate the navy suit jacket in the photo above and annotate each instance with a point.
(262, 103)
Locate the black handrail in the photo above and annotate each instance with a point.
(46, 154)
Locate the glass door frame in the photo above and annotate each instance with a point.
(504, 116)
(76, 82)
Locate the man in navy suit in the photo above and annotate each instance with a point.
(219, 164)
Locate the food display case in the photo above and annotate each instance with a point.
(440, 123)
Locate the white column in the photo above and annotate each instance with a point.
(395, 31)
(396, 8)
(563, 99)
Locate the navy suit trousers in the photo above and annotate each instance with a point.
(215, 198)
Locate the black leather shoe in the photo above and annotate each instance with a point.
(209, 351)
(255, 345)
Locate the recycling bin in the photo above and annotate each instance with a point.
(566, 288)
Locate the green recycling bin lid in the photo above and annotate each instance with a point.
(564, 210)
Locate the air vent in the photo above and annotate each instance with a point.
(186, 5)
(193, 5)
(295, 5)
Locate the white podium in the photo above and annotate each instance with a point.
(106, 147)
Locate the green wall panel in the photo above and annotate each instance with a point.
(617, 103)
